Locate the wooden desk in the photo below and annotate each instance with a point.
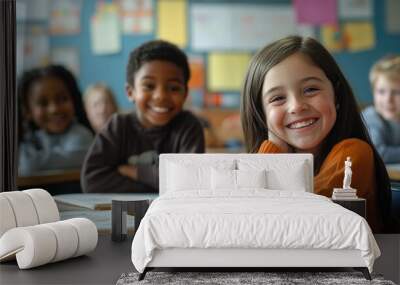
(49, 177)
(393, 171)
(54, 181)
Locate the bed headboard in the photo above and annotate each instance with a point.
(286, 167)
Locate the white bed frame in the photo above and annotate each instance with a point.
(234, 257)
(250, 258)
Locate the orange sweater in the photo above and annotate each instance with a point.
(331, 173)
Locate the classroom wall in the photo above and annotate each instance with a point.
(356, 66)
(111, 68)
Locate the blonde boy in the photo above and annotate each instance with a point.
(383, 119)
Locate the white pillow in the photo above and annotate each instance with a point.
(226, 179)
(251, 178)
(281, 174)
(223, 179)
(184, 175)
(293, 180)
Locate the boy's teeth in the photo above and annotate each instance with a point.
(301, 124)
(160, 109)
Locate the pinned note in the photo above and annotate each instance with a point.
(105, 30)
(239, 27)
(316, 11)
(36, 47)
(392, 16)
(359, 36)
(65, 17)
(196, 64)
(37, 10)
(137, 16)
(172, 21)
(350, 9)
(331, 38)
(226, 71)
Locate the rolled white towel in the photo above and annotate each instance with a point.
(66, 238)
(46, 207)
(87, 235)
(40, 244)
(7, 218)
(33, 246)
(23, 208)
(26, 208)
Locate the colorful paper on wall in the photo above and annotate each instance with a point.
(67, 56)
(316, 12)
(331, 37)
(349, 9)
(36, 47)
(240, 26)
(137, 16)
(65, 17)
(392, 16)
(172, 21)
(196, 64)
(359, 36)
(226, 71)
(38, 10)
(105, 32)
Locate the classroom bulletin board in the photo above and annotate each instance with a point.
(94, 38)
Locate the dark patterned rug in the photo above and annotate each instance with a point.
(228, 278)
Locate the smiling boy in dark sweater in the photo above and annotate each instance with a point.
(124, 155)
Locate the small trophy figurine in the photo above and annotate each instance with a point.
(347, 192)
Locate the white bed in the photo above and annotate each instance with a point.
(247, 210)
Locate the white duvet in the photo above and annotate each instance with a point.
(255, 218)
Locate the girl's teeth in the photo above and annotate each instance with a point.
(301, 124)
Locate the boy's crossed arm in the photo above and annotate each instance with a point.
(144, 167)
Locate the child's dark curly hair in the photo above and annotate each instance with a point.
(26, 81)
(156, 50)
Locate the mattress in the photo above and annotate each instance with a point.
(250, 219)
